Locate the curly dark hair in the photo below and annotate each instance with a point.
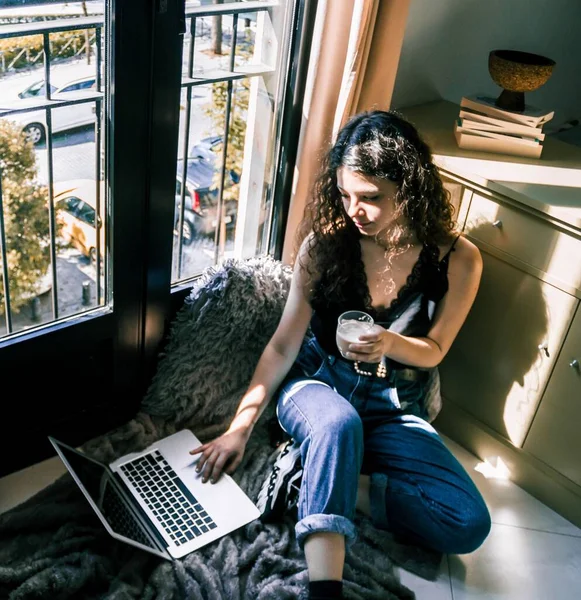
(378, 144)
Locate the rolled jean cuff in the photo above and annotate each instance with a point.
(319, 523)
(378, 507)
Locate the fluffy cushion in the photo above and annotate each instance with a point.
(216, 341)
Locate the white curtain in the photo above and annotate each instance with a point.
(360, 36)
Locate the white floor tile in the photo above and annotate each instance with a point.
(429, 590)
(510, 504)
(519, 564)
(21, 485)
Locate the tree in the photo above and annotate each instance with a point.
(217, 31)
(87, 35)
(26, 223)
(216, 110)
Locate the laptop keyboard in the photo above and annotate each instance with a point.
(172, 503)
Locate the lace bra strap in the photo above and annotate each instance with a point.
(447, 255)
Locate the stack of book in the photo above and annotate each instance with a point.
(481, 125)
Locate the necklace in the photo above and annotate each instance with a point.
(380, 371)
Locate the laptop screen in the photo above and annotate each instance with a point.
(96, 479)
(90, 474)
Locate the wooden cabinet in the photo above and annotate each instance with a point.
(499, 365)
(460, 196)
(527, 238)
(555, 436)
(511, 382)
(507, 386)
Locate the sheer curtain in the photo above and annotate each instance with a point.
(354, 57)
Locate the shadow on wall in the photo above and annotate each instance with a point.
(495, 369)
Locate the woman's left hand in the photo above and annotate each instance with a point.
(372, 346)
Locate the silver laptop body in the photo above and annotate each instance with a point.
(155, 500)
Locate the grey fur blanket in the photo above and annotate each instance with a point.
(53, 547)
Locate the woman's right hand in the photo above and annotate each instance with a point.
(222, 454)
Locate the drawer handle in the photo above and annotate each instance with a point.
(574, 364)
(545, 348)
(497, 224)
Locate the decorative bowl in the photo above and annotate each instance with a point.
(518, 72)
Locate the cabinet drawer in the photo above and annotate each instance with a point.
(525, 237)
(554, 437)
(499, 365)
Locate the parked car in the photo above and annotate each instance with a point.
(201, 193)
(75, 203)
(206, 148)
(64, 85)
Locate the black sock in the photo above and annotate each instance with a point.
(325, 589)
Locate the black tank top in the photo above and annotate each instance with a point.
(410, 313)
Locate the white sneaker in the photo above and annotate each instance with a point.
(280, 491)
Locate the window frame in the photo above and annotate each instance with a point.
(121, 345)
(114, 342)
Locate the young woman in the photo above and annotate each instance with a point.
(378, 237)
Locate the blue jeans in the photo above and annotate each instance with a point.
(349, 424)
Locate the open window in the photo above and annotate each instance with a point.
(147, 147)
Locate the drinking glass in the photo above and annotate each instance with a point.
(350, 326)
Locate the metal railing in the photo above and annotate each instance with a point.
(193, 15)
(48, 104)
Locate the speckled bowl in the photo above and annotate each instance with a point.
(518, 72)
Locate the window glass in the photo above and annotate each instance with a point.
(69, 204)
(81, 85)
(41, 286)
(87, 85)
(70, 88)
(36, 89)
(233, 75)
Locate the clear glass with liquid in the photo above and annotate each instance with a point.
(350, 326)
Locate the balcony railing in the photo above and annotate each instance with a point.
(48, 105)
(197, 23)
(194, 15)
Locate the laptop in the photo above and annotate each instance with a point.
(155, 500)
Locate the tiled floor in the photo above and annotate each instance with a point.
(531, 553)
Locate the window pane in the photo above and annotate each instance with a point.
(234, 70)
(53, 260)
(69, 88)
